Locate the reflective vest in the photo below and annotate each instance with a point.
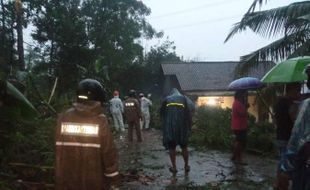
(86, 157)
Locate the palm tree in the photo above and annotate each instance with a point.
(292, 22)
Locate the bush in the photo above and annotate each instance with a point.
(261, 137)
(155, 115)
(30, 142)
(212, 129)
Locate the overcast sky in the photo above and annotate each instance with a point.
(199, 27)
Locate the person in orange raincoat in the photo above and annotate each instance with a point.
(86, 157)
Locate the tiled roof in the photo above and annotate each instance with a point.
(208, 76)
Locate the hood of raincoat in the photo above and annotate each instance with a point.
(90, 108)
(176, 119)
(174, 91)
(190, 104)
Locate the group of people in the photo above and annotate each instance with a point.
(292, 121)
(86, 156)
(136, 113)
(294, 140)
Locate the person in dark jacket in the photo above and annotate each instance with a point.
(86, 157)
(295, 163)
(133, 115)
(176, 119)
(285, 111)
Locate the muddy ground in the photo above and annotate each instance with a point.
(146, 166)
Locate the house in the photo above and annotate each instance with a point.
(207, 82)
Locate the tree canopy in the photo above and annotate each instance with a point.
(75, 39)
(291, 22)
(71, 40)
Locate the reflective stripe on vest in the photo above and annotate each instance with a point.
(129, 104)
(58, 143)
(175, 104)
(79, 129)
(111, 174)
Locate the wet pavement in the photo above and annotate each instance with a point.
(146, 166)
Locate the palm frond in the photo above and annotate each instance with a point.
(299, 24)
(254, 4)
(306, 17)
(303, 50)
(278, 50)
(271, 22)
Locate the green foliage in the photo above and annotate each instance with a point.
(153, 80)
(28, 142)
(4, 185)
(73, 39)
(261, 137)
(155, 116)
(96, 39)
(24, 105)
(212, 129)
(7, 36)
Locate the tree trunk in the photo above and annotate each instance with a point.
(19, 29)
(12, 42)
(3, 22)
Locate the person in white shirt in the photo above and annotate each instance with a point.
(117, 109)
(145, 104)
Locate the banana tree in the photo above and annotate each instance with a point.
(20, 103)
(292, 22)
(26, 107)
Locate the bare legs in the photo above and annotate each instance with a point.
(172, 154)
(238, 149)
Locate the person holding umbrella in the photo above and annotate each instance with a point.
(239, 124)
(285, 111)
(239, 116)
(296, 160)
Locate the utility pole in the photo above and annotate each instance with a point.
(19, 29)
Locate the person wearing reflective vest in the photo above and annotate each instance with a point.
(132, 114)
(86, 157)
(176, 118)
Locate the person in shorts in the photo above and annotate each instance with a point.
(176, 119)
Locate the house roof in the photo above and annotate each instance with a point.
(208, 76)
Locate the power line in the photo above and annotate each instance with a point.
(192, 9)
(202, 22)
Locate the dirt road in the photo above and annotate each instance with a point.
(145, 166)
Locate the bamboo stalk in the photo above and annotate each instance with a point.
(53, 90)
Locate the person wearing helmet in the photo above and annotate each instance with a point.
(132, 114)
(145, 104)
(117, 109)
(86, 157)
